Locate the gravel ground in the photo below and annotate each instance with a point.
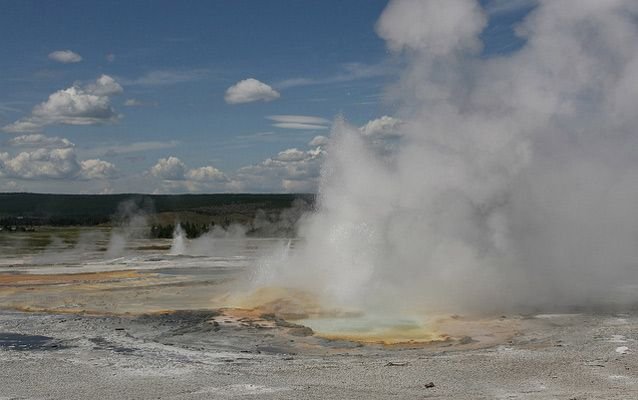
(203, 355)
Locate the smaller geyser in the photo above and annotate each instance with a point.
(178, 246)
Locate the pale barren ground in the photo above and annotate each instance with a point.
(184, 357)
(109, 329)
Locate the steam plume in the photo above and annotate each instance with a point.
(514, 182)
(131, 223)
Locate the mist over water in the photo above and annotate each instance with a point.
(513, 183)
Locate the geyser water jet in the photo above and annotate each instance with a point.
(178, 246)
(514, 181)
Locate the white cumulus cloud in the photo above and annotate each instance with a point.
(41, 164)
(104, 86)
(173, 169)
(23, 125)
(177, 178)
(249, 90)
(65, 56)
(50, 158)
(318, 141)
(292, 170)
(205, 174)
(97, 169)
(382, 128)
(170, 168)
(77, 105)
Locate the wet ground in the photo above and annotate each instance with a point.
(82, 270)
(145, 324)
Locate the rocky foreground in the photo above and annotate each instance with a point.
(223, 354)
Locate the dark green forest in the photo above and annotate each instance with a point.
(23, 210)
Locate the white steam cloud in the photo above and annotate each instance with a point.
(514, 181)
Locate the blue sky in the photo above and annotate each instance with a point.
(169, 66)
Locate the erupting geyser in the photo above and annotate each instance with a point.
(511, 182)
(178, 246)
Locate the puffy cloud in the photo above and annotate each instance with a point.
(50, 162)
(104, 86)
(292, 170)
(291, 155)
(205, 174)
(97, 169)
(39, 140)
(65, 56)
(74, 107)
(430, 27)
(54, 164)
(21, 126)
(171, 168)
(297, 170)
(176, 178)
(305, 122)
(77, 105)
(318, 141)
(41, 163)
(382, 128)
(250, 90)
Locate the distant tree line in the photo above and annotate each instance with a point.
(261, 214)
